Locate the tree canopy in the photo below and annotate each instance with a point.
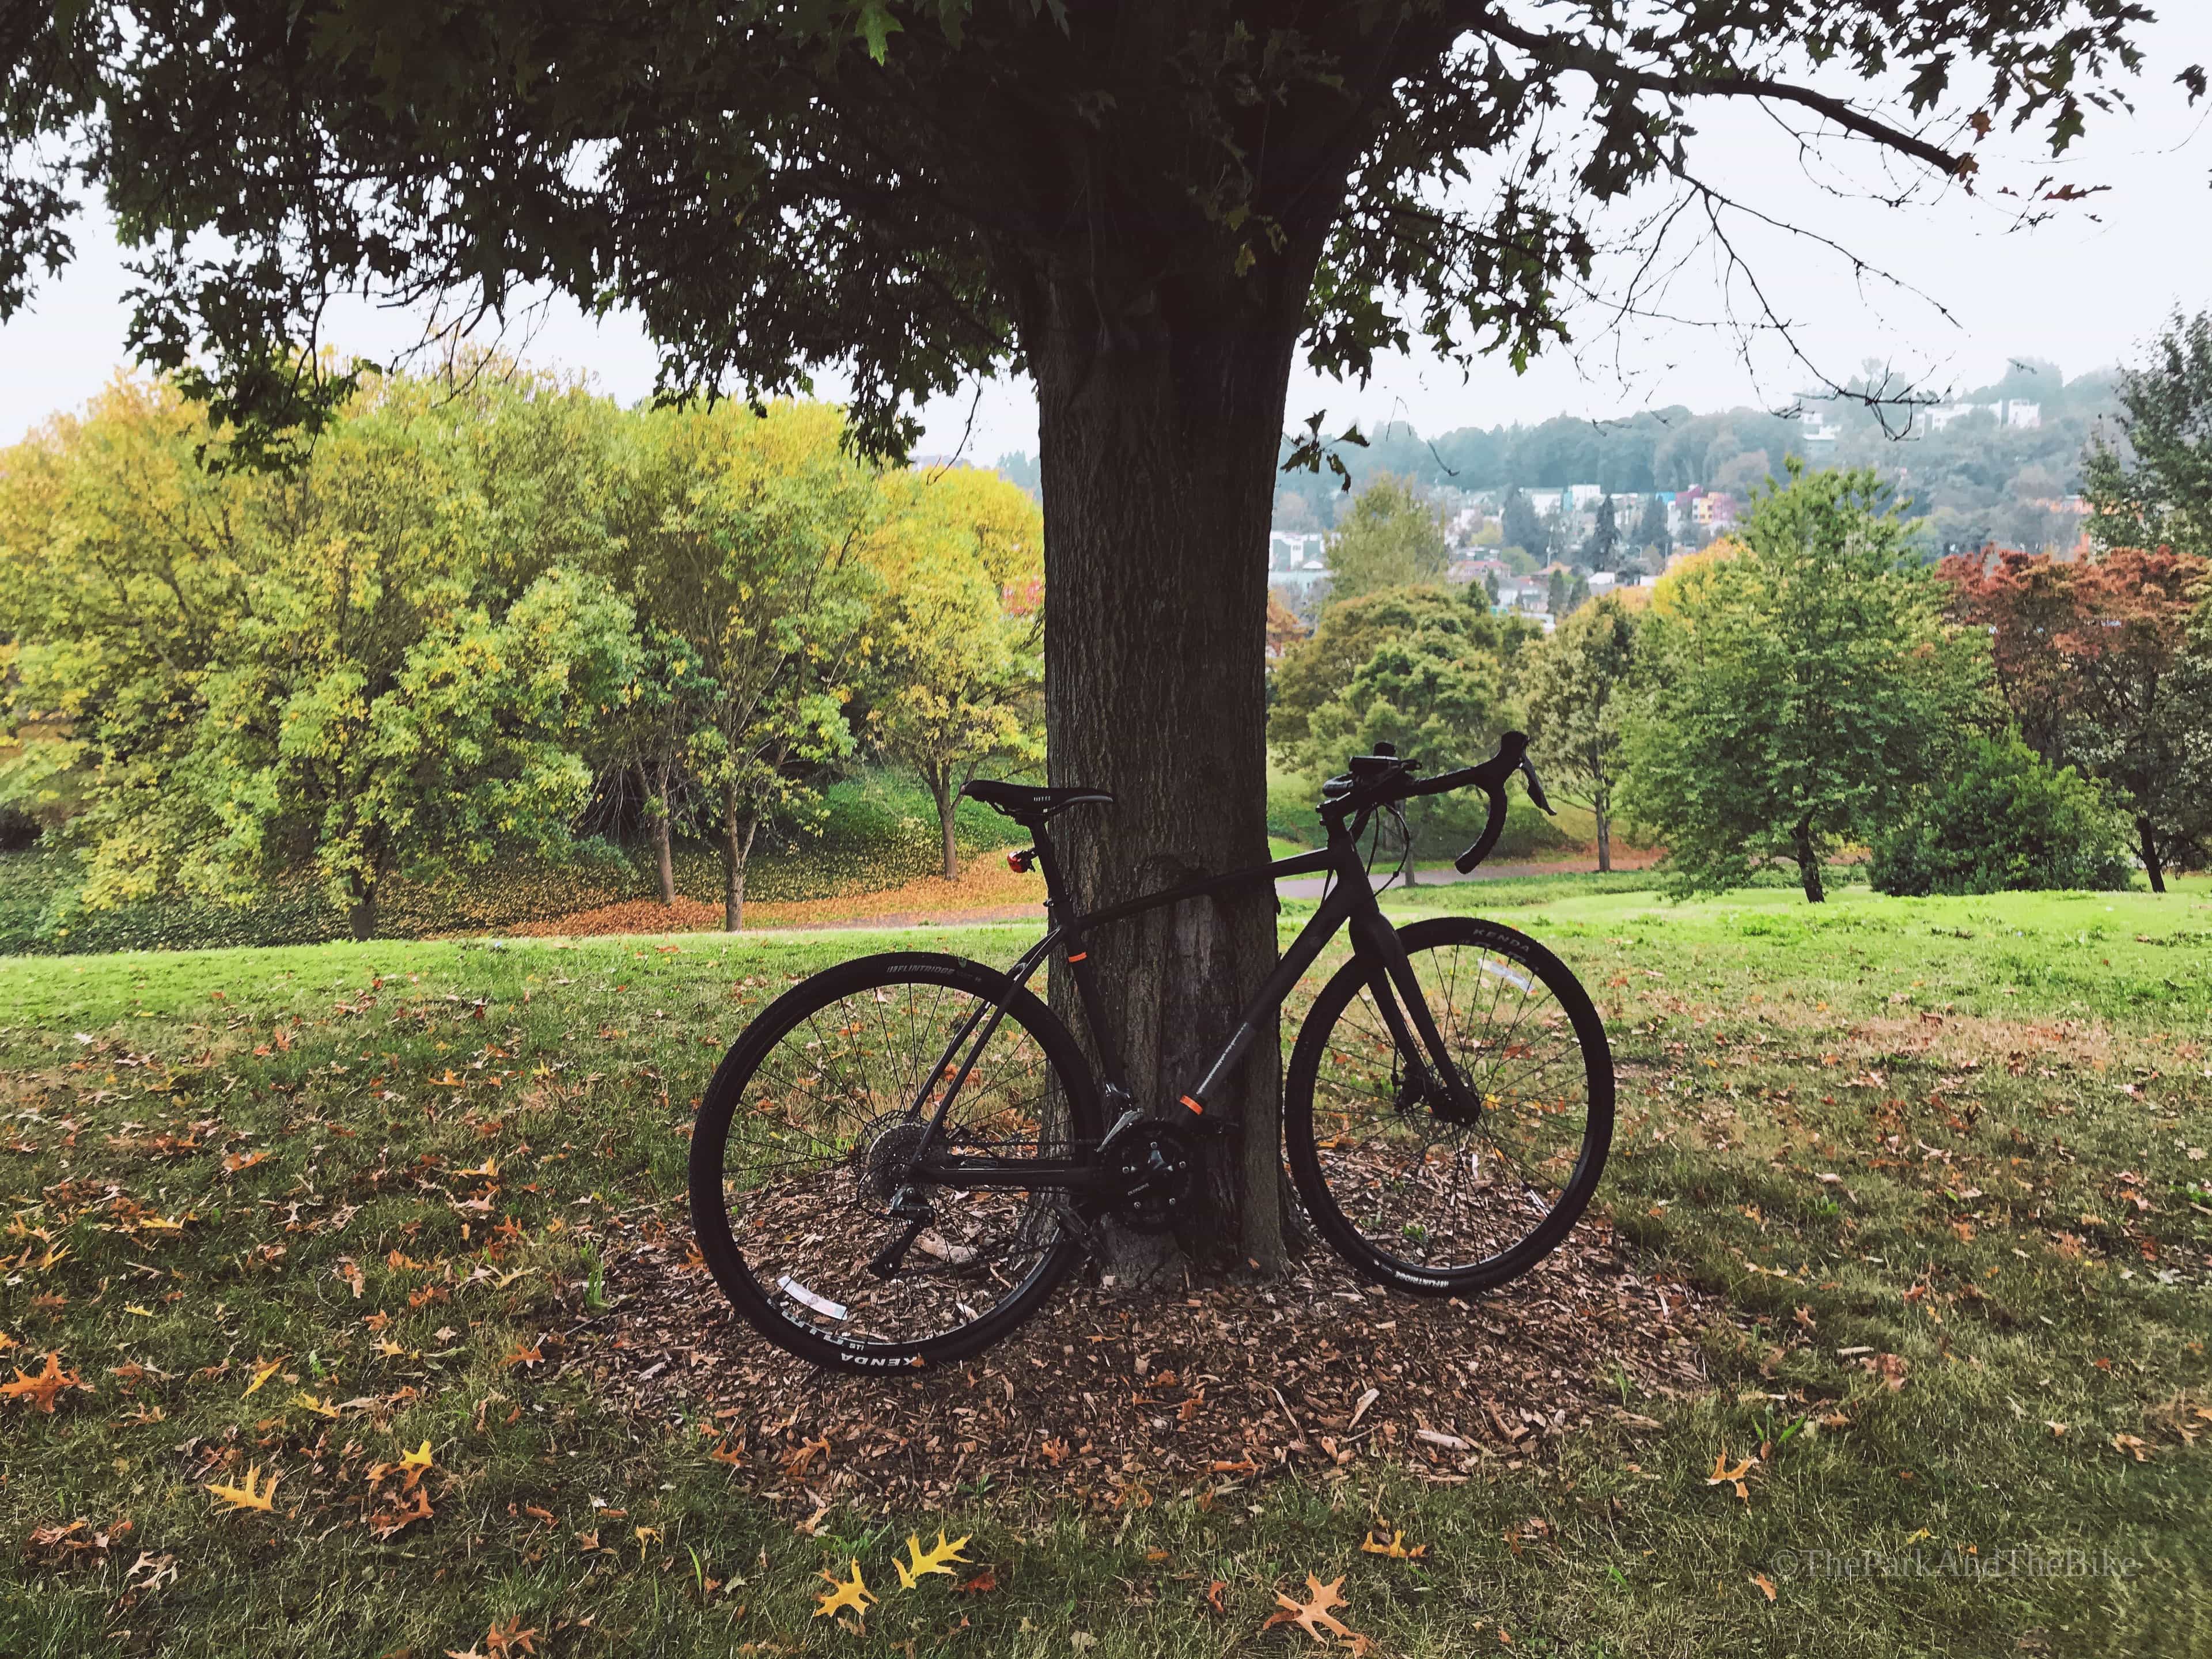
(1390, 538)
(1797, 687)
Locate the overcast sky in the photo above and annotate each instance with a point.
(2083, 290)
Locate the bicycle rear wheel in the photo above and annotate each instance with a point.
(812, 1120)
(1406, 1194)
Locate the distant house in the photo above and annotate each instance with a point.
(1296, 561)
(2008, 411)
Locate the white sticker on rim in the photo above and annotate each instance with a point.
(1521, 981)
(821, 1304)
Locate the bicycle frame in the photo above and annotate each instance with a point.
(1350, 901)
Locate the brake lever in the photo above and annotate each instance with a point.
(1536, 786)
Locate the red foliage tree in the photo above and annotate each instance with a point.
(2094, 657)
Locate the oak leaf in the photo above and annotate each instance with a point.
(262, 1370)
(246, 1496)
(1722, 1475)
(512, 1640)
(925, 1562)
(41, 1389)
(855, 1594)
(1312, 1615)
(414, 1465)
(1395, 1549)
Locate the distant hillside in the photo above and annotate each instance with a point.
(1975, 480)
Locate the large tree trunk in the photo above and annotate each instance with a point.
(738, 829)
(1158, 451)
(1809, 863)
(361, 915)
(1604, 835)
(2147, 838)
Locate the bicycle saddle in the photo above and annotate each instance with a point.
(1023, 801)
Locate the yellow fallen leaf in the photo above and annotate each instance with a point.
(246, 1496)
(935, 1560)
(414, 1465)
(262, 1370)
(856, 1595)
(307, 1401)
(1395, 1549)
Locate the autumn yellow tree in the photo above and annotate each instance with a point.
(961, 663)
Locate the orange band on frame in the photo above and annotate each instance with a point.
(1079, 956)
(1193, 1104)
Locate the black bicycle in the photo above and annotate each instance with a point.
(902, 1156)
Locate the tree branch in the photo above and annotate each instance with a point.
(1567, 52)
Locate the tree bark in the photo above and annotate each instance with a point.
(738, 829)
(1809, 863)
(947, 804)
(2148, 839)
(1158, 447)
(361, 915)
(664, 850)
(1604, 835)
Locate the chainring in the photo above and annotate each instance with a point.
(1154, 1168)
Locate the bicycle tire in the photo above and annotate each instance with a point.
(1326, 1206)
(808, 1333)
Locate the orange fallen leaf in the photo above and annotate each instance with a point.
(1764, 1583)
(1724, 1476)
(42, 1388)
(1313, 1615)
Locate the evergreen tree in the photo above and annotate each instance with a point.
(1519, 526)
(1603, 548)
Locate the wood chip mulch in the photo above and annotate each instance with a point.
(1111, 1396)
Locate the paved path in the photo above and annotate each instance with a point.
(1311, 886)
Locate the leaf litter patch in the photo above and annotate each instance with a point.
(1112, 1396)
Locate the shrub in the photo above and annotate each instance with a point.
(2003, 820)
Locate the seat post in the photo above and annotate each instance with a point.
(1047, 858)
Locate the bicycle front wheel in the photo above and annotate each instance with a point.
(808, 1133)
(1406, 1191)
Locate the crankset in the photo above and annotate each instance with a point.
(1150, 1164)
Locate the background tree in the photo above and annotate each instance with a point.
(2102, 661)
(1601, 547)
(749, 549)
(1567, 591)
(1797, 687)
(1653, 537)
(1146, 206)
(2002, 818)
(1390, 538)
(368, 668)
(1519, 525)
(1576, 689)
(1317, 670)
(960, 666)
(2164, 498)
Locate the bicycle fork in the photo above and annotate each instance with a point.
(1414, 1032)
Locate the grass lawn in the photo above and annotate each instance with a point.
(1944, 1165)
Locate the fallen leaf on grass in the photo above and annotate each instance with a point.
(981, 1584)
(1313, 1615)
(2135, 1446)
(1395, 1549)
(1764, 1583)
(246, 1496)
(262, 1370)
(158, 1569)
(401, 1516)
(1722, 1475)
(925, 1562)
(856, 1595)
(512, 1640)
(42, 1388)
